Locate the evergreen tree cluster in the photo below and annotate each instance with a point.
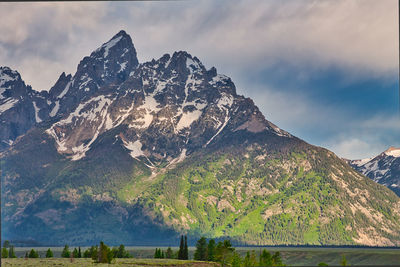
(159, 254)
(120, 252)
(183, 252)
(33, 254)
(168, 254)
(104, 254)
(49, 253)
(76, 253)
(8, 250)
(225, 254)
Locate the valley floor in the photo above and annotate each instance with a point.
(291, 256)
(89, 262)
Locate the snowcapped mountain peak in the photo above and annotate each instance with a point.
(8, 75)
(118, 46)
(383, 168)
(393, 151)
(11, 84)
(175, 95)
(360, 162)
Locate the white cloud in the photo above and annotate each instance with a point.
(41, 40)
(365, 138)
(234, 35)
(354, 148)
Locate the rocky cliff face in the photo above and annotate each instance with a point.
(137, 153)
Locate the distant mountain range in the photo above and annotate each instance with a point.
(138, 153)
(383, 169)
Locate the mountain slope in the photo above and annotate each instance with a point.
(155, 149)
(383, 169)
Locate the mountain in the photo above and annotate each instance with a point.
(140, 153)
(20, 107)
(383, 169)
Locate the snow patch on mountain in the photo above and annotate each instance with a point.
(55, 109)
(87, 121)
(361, 162)
(85, 82)
(219, 130)
(65, 90)
(83, 112)
(2, 90)
(135, 148)
(220, 78)
(37, 118)
(394, 152)
(107, 46)
(4, 77)
(225, 102)
(9, 103)
(192, 65)
(188, 118)
(123, 65)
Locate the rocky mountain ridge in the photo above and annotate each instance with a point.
(138, 153)
(383, 169)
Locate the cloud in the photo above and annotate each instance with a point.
(349, 133)
(42, 40)
(366, 138)
(234, 35)
(360, 35)
(355, 148)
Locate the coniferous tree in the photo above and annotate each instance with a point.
(75, 253)
(49, 253)
(186, 250)
(4, 252)
(246, 260)
(211, 250)
(33, 254)
(181, 248)
(236, 260)
(79, 253)
(94, 252)
(65, 253)
(253, 258)
(265, 258)
(343, 262)
(162, 256)
(104, 254)
(276, 259)
(11, 252)
(157, 254)
(26, 255)
(223, 252)
(200, 253)
(169, 254)
(121, 252)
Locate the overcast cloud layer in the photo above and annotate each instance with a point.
(326, 71)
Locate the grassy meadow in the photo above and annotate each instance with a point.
(89, 262)
(291, 256)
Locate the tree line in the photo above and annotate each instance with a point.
(226, 255)
(181, 254)
(221, 252)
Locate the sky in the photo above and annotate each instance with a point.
(325, 71)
